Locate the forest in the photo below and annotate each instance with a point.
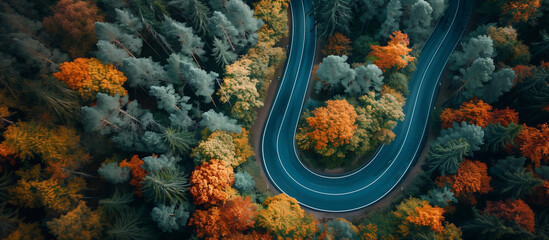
(133, 119)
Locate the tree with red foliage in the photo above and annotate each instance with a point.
(138, 173)
(471, 177)
(74, 21)
(239, 214)
(516, 210)
(522, 72)
(211, 182)
(504, 116)
(338, 44)
(534, 143)
(395, 54)
(232, 218)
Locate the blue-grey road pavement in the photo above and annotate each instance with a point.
(372, 182)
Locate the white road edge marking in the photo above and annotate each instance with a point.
(270, 113)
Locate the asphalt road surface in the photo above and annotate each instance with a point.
(373, 181)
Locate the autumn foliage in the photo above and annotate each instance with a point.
(74, 21)
(415, 213)
(210, 182)
(227, 221)
(395, 54)
(58, 147)
(521, 10)
(138, 173)
(516, 210)
(79, 224)
(534, 143)
(337, 44)
(522, 72)
(471, 177)
(90, 76)
(333, 124)
(478, 113)
(284, 217)
(33, 190)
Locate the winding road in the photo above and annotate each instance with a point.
(372, 182)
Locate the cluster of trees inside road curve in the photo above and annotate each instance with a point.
(131, 119)
(366, 69)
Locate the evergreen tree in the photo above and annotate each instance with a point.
(167, 186)
(222, 53)
(511, 179)
(218, 121)
(392, 18)
(113, 173)
(497, 136)
(444, 158)
(170, 218)
(332, 16)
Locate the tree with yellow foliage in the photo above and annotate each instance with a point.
(90, 76)
(284, 217)
(272, 12)
(219, 145)
(58, 147)
(79, 224)
(34, 190)
(240, 90)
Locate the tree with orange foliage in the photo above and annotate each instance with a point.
(478, 113)
(138, 173)
(208, 223)
(79, 224)
(329, 127)
(416, 215)
(516, 210)
(211, 182)
(337, 44)
(522, 72)
(235, 216)
(367, 232)
(239, 214)
(474, 112)
(471, 177)
(521, 10)
(284, 217)
(74, 21)
(26, 231)
(395, 54)
(90, 76)
(534, 143)
(504, 117)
